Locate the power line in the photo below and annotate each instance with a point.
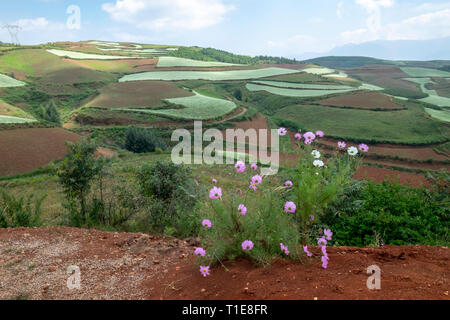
(13, 31)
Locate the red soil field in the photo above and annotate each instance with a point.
(119, 265)
(421, 153)
(137, 94)
(123, 65)
(258, 122)
(380, 174)
(362, 100)
(24, 150)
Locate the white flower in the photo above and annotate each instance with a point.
(315, 154)
(282, 131)
(318, 163)
(353, 151)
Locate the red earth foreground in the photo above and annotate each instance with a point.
(34, 262)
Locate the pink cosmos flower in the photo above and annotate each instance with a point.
(200, 251)
(288, 183)
(254, 166)
(324, 262)
(282, 131)
(253, 187)
(242, 209)
(363, 147)
(215, 193)
(328, 233)
(320, 134)
(305, 248)
(298, 136)
(285, 249)
(204, 270)
(214, 181)
(322, 242)
(290, 207)
(324, 251)
(247, 245)
(256, 179)
(311, 217)
(240, 166)
(309, 136)
(341, 144)
(206, 223)
(308, 141)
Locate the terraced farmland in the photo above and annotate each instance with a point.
(318, 71)
(294, 92)
(442, 115)
(197, 107)
(425, 72)
(7, 82)
(85, 56)
(8, 110)
(362, 100)
(164, 62)
(433, 97)
(207, 75)
(9, 119)
(292, 85)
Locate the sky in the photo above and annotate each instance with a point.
(288, 28)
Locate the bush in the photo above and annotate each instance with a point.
(19, 212)
(389, 213)
(50, 113)
(172, 193)
(141, 140)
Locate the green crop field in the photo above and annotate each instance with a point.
(85, 56)
(302, 85)
(405, 126)
(433, 97)
(198, 107)
(182, 62)
(442, 115)
(425, 72)
(9, 119)
(207, 75)
(294, 92)
(318, 71)
(6, 82)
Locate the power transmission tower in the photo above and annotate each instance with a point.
(13, 31)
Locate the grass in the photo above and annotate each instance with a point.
(442, 115)
(294, 92)
(425, 72)
(207, 75)
(6, 82)
(9, 110)
(409, 126)
(85, 56)
(198, 107)
(164, 62)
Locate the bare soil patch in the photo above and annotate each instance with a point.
(381, 174)
(23, 150)
(34, 262)
(362, 100)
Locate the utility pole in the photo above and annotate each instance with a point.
(13, 31)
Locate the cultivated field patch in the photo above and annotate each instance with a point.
(142, 94)
(207, 75)
(197, 107)
(442, 115)
(8, 110)
(25, 150)
(9, 119)
(164, 62)
(318, 71)
(425, 72)
(362, 100)
(292, 85)
(6, 82)
(294, 92)
(433, 97)
(84, 56)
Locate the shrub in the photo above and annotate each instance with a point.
(19, 212)
(49, 112)
(172, 193)
(141, 140)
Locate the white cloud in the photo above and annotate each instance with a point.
(32, 24)
(168, 14)
(339, 10)
(373, 9)
(422, 27)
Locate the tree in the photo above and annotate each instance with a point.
(50, 113)
(141, 140)
(77, 172)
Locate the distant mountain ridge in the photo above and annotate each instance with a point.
(419, 50)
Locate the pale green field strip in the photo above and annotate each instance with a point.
(442, 115)
(207, 75)
(164, 62)
(9, 119)
(295, 92)
(433, 97)
(85, 56)
(318, 71)
(198, 107)
(301, 85)
(425, 72)
(341, 74)
(371, 87)
(6, 82)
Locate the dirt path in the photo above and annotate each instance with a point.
(33, 265)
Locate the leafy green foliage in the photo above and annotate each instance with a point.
(50, 113)
(20, 211)
(141, 140)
